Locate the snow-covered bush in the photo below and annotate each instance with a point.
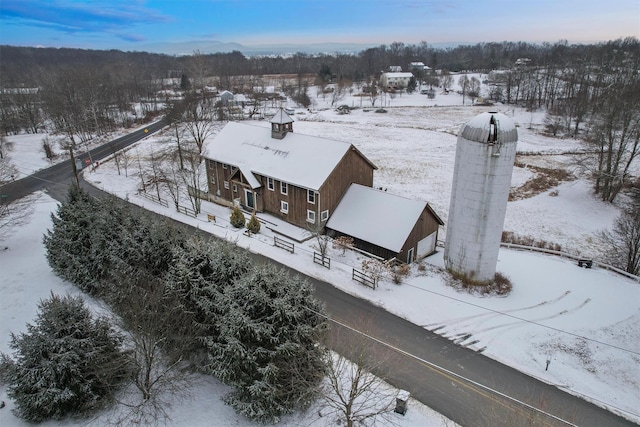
(267, 348)
(237, 218)
(253, 225)
(66, 363)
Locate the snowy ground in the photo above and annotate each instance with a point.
(587, 322)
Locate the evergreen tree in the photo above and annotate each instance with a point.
(69, 242)
(67, 362)
(195, 283)
(253, 225)
(237, 218)
(412, 85)
(185, 84)
(267, 347)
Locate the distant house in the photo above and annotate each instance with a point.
(395, 69)
(297, 178)
(226, 97)
(385, 224)
(395, 80)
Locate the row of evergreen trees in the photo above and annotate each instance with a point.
(188, 299)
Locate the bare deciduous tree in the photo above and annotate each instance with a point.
(623, 242)
(316, 231)
(159, 376)
(16, 212)
(199, 116)
(615, 137)
(353, 392)
(192, 175)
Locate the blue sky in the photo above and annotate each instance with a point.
(132, 24)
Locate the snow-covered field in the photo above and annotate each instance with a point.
(586, 322)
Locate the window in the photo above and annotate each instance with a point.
(284, 207)
(226, 185)
(235, 188)
(324, 215)
(213, 180)
(283, 187)
(270, 184)
(311, 216)
(225, 166)
(311, 197)
(212, 165)
(233, 168)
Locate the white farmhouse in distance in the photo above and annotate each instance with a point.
(395, 80)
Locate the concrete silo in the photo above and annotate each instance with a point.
(485, 154)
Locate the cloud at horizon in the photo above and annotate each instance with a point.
(132, 24)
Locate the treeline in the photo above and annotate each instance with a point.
(23, 66)
(588, 91)
(186, 304)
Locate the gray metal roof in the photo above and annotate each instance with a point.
(490, 127)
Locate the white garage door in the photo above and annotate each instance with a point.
(427, 245)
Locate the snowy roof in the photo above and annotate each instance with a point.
(377, 217)
(478, 128)
(399, 75)
(302, 160)
(281, 117)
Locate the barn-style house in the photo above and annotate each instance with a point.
(304, 180)
(297, 178)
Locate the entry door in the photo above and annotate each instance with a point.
(248, 196)
(410, 256)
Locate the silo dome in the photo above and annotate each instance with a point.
(485, 153)
(490, 127)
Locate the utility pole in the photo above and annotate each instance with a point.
(73, 165)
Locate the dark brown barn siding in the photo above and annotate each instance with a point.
(425, 225)
(353, 168)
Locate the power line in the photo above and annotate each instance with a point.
(461, 377)
(526, 320)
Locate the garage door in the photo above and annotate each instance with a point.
(427, 245)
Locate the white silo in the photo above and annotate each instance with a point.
(485, 154)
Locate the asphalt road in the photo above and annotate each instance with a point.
(465, 386)
(57, 177)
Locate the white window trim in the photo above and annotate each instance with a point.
(324, 215)
(311, 197)
(225, 166)
(235, 188)
(270, 184)
(226, 185)
(311, 216)
(284, 207)
(284, 188)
